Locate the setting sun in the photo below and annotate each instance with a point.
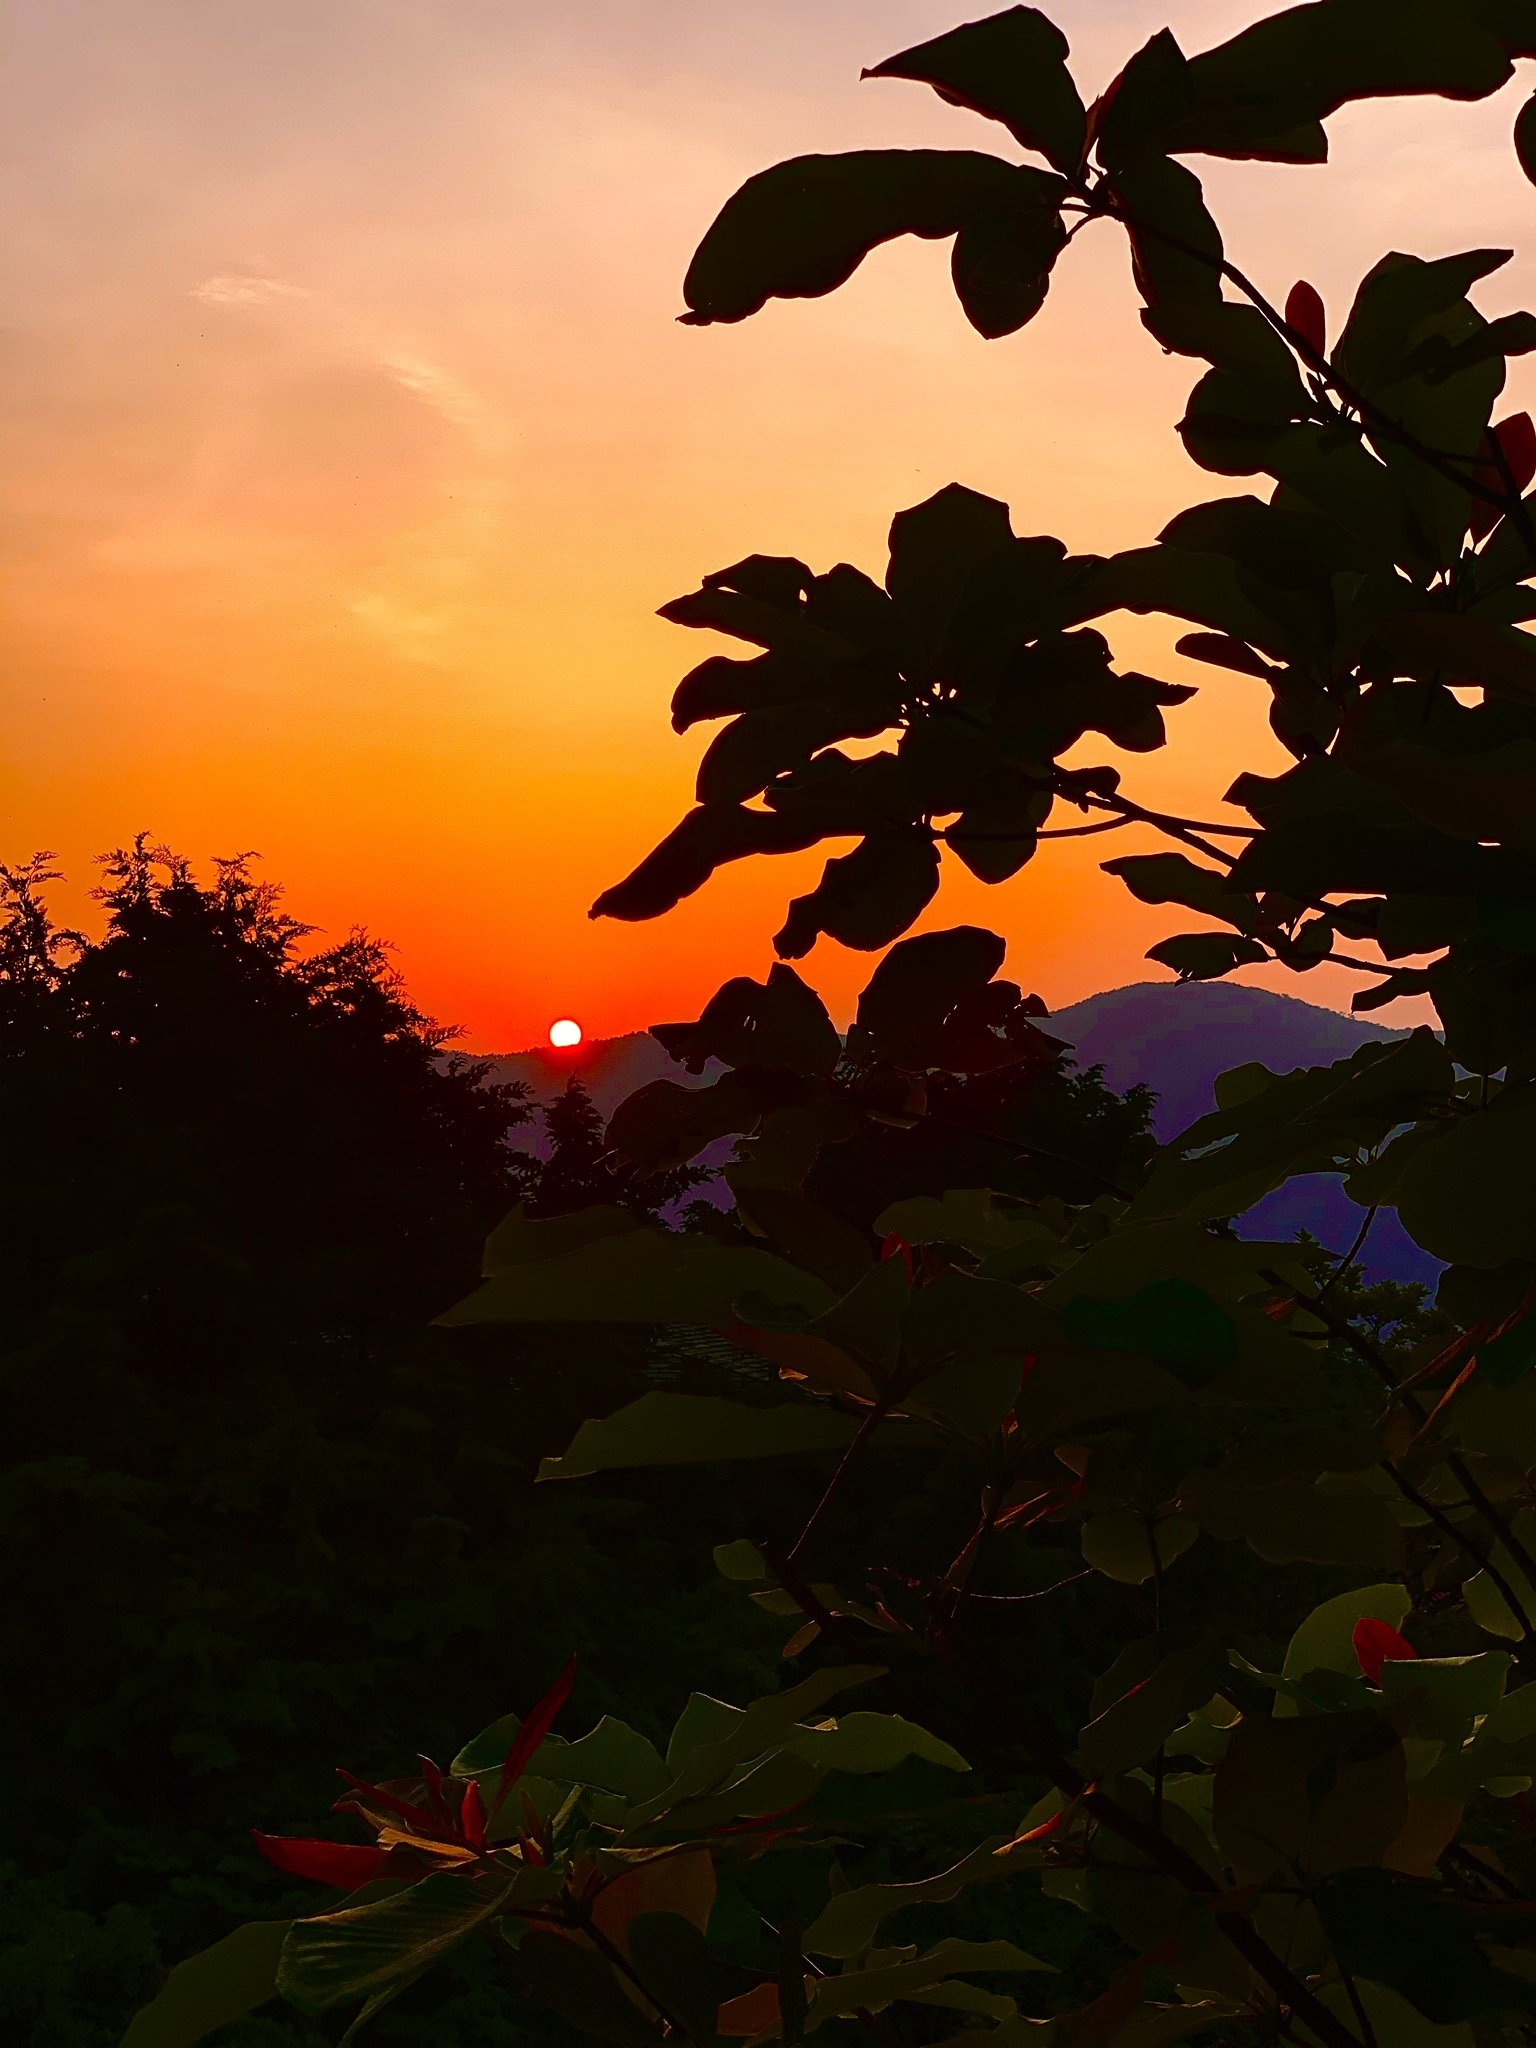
(564, 1033)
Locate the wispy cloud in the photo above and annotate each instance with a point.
(232, 289)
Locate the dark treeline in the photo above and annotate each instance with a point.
(260, 1516)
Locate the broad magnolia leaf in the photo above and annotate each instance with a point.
(1394, 1931)
(1073, 1387)
(523, 1240)
(1132, 1728)
(1206, 956)
(612, 1757)
(363, 1950)
(1124, 1547)
(1265, 93)
(1321, 1793)
(903, 1006)
(1171, 878)
(1010, 67)
(1470, 1196)
(712, 1740)
(1130, 1260)
(1310, 1121)
(669, 1956)
(666, 1123)
(1170, 1320)
(880, 1985)
(693, 1429)
(705, 840)
(1432, 643)
(850, 1920)
(802, 229)
(1447, 1694)
(1297, 1523)
(754, 749)
(683, 1885)
(974, 1217)
(210, 1990)
(872, 1742)
(580, 1988)
(779, 1022)
(865, 898)
(639, 1276)
(1325, 1640)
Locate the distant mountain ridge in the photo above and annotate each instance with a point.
(1178, 1036)
(1174, 1036)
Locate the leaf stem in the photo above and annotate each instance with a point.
(866, 1429)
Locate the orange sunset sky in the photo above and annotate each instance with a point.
(353, 444)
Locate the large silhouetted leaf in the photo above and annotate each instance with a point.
(801, 229)
(705, 840)
(1133, 1726)
(1266, 92)
(578, 1986)
(1001, 267)
(692, 1429)
(1206, 956)
(1325, 1640)
(1470, 1196)
(524, 1240)
(850, 1920)
(865, 898)
(744, 758)
(1010, 67)
(207, 1991)
(1436, 644)
(774, 1023)
(642, 1276)
(937, 549)
(664, 1124)
(905, 1001)
(612, 1756)
(363, 1950)
(1174, 878)
(883, 1981)
(1298, 1523)
(1314, 1795)
(1311, 1121)
(1390, 1929)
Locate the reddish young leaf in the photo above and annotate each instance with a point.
(1304, 312)
(533, 1731)
(419, 1820)
(346, 1864)
(1377, 1643)
(896, 1247)
(752, 2012)
(472, 1816)
(432, 1778)
(1516, 442)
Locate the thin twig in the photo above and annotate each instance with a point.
(845, 1464)
(1351, 1255)
(1023, 1599)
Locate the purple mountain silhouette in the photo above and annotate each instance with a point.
(1174, 1036)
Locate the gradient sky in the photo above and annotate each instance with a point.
(353, 444)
